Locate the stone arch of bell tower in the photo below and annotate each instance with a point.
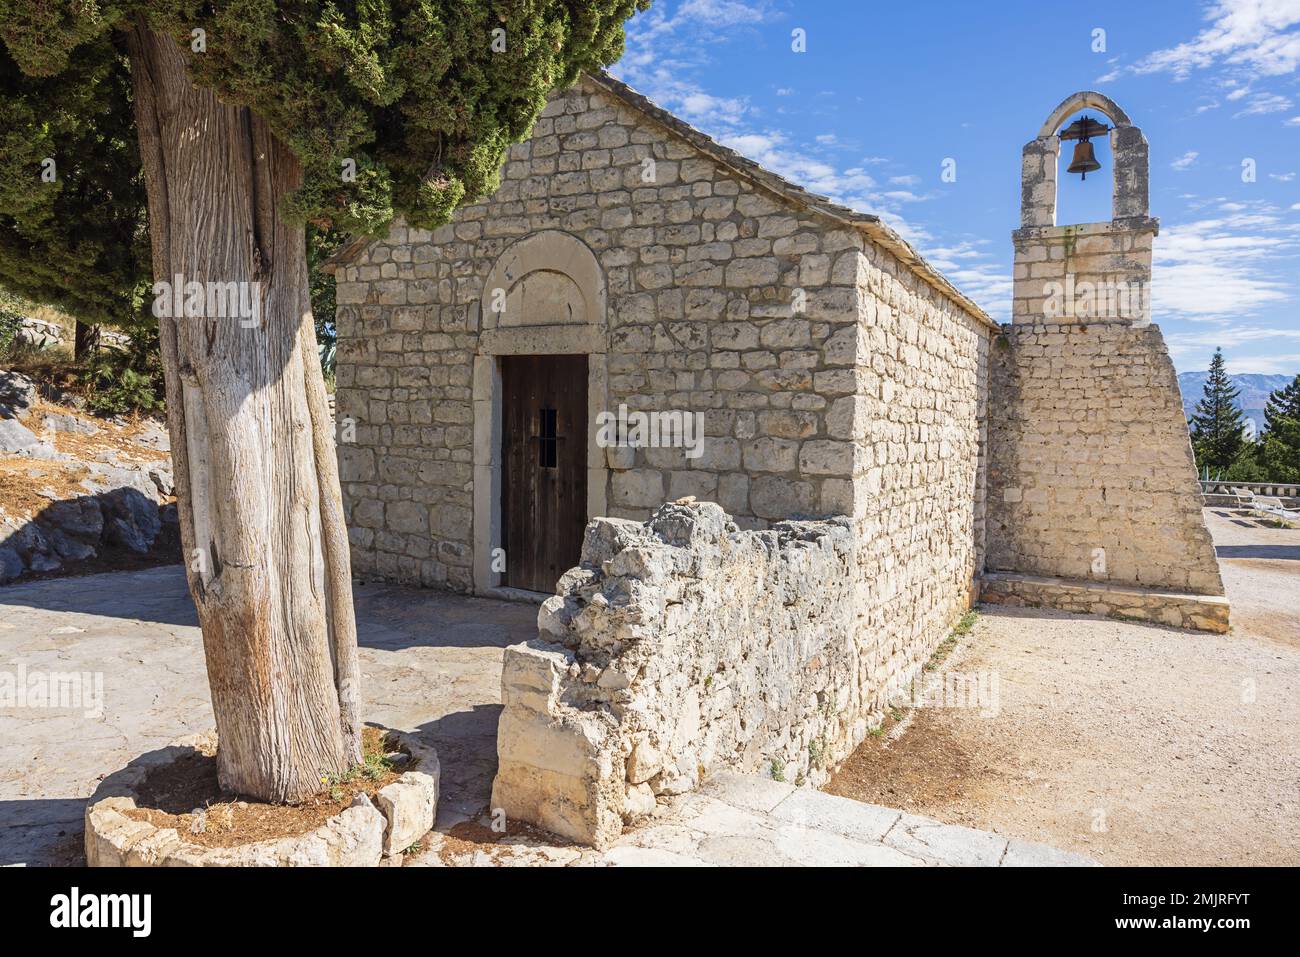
(1130, 178)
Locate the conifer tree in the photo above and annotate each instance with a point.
(1217, 424)
(206, 136)
(1279, 452)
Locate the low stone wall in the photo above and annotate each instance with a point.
(1181, 610)
(361, 835)
(678, 647)
(48, 335)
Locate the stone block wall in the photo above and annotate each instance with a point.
(864, 400)
(1089, 451)
(919, 490)
(680, 647)
(701, 271)
(404, 399)
(1102, 269)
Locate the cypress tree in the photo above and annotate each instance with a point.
(193, 142)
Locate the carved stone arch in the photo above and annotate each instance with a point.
(1084, 100)
(553, 252)
(1129, 153)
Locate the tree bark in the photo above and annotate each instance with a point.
(85, 339)
(253, 447)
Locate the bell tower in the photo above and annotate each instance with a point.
(1088, 270)
(1093, 502)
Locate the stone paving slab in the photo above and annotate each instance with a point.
(750, 821)
(432, 666)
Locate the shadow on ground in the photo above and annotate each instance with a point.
(1282, 552)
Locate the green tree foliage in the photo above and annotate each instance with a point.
(414, 100)
(1217, 424)
(392, 107)
(1279, 452)
(74, 238)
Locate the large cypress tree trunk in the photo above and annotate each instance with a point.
(256, 477)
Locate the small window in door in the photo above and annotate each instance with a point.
(547, 442)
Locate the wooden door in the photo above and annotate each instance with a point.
(544, 457)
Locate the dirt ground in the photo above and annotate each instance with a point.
(1131, 743)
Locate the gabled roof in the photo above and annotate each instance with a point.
(872, 226)
(876, 230)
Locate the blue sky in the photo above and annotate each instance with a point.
(885, 92)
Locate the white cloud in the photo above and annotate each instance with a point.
(908, 180)
(1185, 161)
(1270, 364)
(1262, 103)
(771, 149)
(666, 44)
(827, 139)
(1294, 121)
(967, 265)
(1282, 177)
(1238, 342)
(1253, 36)
(1222, 268)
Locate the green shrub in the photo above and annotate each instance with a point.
(124, 381)
(10, 323)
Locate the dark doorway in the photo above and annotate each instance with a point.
(544, 455)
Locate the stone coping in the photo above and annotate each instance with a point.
(362, 835)
(1177, 609)
(1109, 227)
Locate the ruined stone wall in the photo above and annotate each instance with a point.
(681, 647)
(1089, 451)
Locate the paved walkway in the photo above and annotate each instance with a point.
(432, 666)
(748, 821)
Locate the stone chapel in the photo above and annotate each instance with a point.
(628, 264)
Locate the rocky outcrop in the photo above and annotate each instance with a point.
(62, 507)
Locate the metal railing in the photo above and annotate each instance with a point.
(1267, 489)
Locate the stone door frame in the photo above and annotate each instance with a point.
(551, 251)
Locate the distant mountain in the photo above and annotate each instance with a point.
(1255, 388)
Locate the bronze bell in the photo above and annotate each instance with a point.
(1084, 161)
(1083, 129)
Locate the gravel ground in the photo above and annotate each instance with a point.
(1131, 743)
